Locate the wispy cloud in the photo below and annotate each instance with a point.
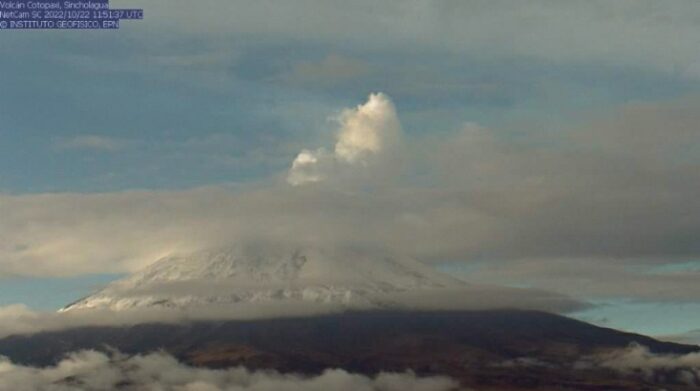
(628, 33)
(90, 142)
(332, 70)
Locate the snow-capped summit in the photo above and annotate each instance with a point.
(239, 275)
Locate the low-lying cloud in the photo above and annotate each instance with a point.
(639, 360)
(90, 370)
(635, 361)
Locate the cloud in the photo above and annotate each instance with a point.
(424, 61)
(90, 142)
(598, 204)
(308, 167)
(97, 371)
(365, 133)
(332, 70)
(368, 130)
(628, 33)
(637, 359)
(597, 278)
(690, 338)
(19, 319)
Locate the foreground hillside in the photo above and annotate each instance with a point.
(486, 350)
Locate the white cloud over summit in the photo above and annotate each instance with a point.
(366, 133)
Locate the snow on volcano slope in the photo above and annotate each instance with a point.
(245, 276)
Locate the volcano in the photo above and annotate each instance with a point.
(382, 314)
(235, 275)
(279, 281)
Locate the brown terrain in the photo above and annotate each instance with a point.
(484, 350)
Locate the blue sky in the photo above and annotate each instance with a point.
(228, 93)
(51, 293)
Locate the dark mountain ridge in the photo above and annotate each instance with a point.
(471, 346)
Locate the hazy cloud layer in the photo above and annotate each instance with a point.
(19, 319)
(629, 33)
(331, 71)
(90, 142)
(251, 69)
(90, 370)
(691, 337)
(619, 196)
(644, 279)
(626, 33)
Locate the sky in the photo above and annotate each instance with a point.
(533, 144)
